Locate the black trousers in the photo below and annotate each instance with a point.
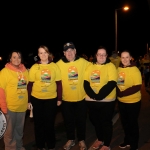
(129, 113)
(44, 112)
(75, 114)
(100, 114)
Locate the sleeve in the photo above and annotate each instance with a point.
(59, 90)
(3, 104)
(89, 91)
(111, 84)
(105, 90)
(86, 84)
(58, 83)
(128, 91)
(3, 83)
(29, 88)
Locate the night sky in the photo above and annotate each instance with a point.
(26, 26)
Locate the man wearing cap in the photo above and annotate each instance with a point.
(73, 104)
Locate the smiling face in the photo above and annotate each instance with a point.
(15, 59)
(43, 55)
(125, 59)
(101, 56)
(70, 54)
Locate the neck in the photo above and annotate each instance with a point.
(126, 65)
(16, 66)
(44, 62)
(98, 63)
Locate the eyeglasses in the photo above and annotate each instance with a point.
(104, 55)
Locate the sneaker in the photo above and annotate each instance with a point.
(69, 144)
(124, 145)
(105, 148)
(82, 145)
(97, 144)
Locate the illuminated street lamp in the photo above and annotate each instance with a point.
(0, 58)
(126, 8)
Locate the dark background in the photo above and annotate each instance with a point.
(27, 25)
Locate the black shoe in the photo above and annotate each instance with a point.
(124, 145)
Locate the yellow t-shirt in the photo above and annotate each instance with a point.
(72, 79)
(128, 77)
(15, 87)
(99, 75)
(115, 61)
(44, 77)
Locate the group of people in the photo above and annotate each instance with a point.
(80, 87)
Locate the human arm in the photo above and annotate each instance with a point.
(59, 92)
(89, 91)
(128, 91)
(3, 104)
(29, 88)
(105, 90)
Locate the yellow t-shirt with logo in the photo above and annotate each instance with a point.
(128, 77)
(15, 87)
(99, 75)
(44, 77)
(72, 79)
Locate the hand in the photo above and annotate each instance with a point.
(29, 107)
(59, 103)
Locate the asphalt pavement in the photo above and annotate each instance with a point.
(118, 134)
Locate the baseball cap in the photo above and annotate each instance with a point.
(68, 45)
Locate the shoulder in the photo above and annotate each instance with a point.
(34, 66)
(110, 64)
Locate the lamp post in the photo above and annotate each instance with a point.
(116, 39)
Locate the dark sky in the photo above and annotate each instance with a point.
(26, 26)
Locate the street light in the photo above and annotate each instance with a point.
(126, 8)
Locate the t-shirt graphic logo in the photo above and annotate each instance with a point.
(121, 78)
(95, 76)
(21, 81)
(45, 76)
(72, 73)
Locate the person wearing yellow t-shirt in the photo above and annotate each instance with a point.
(73, 104)
(129, 99)
(45, 94)
(100, 86)
(14, 100)
(115, 58)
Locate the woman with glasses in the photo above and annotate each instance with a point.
(100, 87)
